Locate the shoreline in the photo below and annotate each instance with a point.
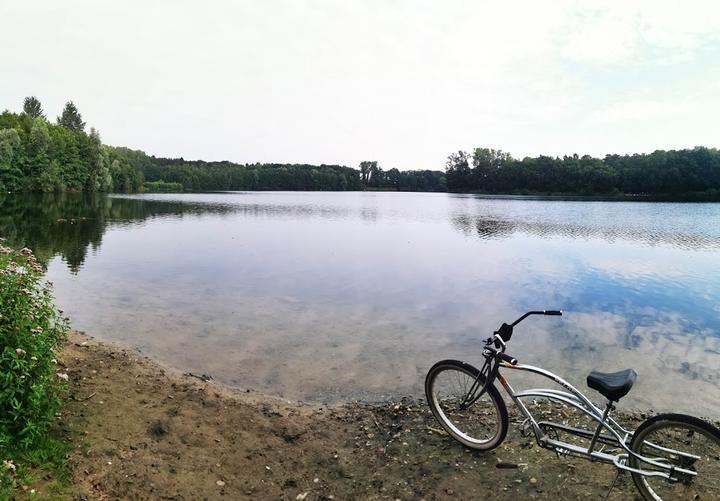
(141, 430)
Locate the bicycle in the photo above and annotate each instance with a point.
(670, 456)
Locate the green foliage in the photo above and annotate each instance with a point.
(197, 175)
(679, 174)
(11, 176)
(162, 187)
(31, 383)
(59, 224)
(125, 178)
(374, 177)
(32, 107)
(367, 171)
(30, 332)
(39, 156)
(50, 178)
(71, 118)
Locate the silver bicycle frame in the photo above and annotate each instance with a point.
(574, 398)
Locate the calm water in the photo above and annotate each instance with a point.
(330, 296)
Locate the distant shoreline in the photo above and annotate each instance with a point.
(689, 197)
(692, 197)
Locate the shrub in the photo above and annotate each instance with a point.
(162, 187)
(31, 329)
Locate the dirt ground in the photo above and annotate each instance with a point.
(142, 431)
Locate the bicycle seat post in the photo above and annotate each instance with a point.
(609, 407)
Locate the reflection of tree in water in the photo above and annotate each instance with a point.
(64, 224)
(485, 228)
(489, 227)
(68, 224)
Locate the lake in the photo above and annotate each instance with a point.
(328, 297)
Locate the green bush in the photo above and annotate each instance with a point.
(31, 329)
(162, 187)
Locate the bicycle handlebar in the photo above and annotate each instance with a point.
(541, 312)
(504, 333)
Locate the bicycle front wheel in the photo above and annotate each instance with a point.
(677, 441)
(481, 425)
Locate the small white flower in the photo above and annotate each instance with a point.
(20, 351)
(62, 376)
(34, 359)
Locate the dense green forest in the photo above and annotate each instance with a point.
(197, 175)
(37, 155)
(674, 173)
(203, 176)
(373, 176)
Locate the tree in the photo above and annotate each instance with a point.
(11, 176)
(37, 148)
(367, 169)
(458, 172)
(9, 142)
(32, 107)
(71, 118)
(50, 178)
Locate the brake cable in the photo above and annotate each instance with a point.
(489, 371)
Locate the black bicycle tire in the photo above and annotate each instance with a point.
(492, 392)
(639, 435)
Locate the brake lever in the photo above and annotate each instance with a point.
(499, 342)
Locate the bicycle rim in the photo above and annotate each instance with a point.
(682, 442)
(483, 424)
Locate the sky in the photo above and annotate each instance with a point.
(405, 83)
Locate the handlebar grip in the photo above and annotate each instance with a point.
(507, 358)
(553, 312)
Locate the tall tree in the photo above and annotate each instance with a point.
(71, 118)
(367, 169)
(32, 107)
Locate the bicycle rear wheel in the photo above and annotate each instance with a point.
(482, 425)
(678, 441)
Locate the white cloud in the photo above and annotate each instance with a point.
(638, 31)
(637, 111)
(404, 82)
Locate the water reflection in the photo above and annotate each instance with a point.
(68, 225)
(486, 227)
(328, 296)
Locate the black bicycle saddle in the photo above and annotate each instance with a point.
(613, 385)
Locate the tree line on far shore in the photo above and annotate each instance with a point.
(675, 173)
(39, 155)
(43, 156)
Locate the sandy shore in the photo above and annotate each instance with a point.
(143, 431)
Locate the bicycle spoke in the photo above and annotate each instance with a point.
(679, 445)
(452, 389)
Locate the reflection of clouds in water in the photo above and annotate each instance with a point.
(667, 355)
(336, 296)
